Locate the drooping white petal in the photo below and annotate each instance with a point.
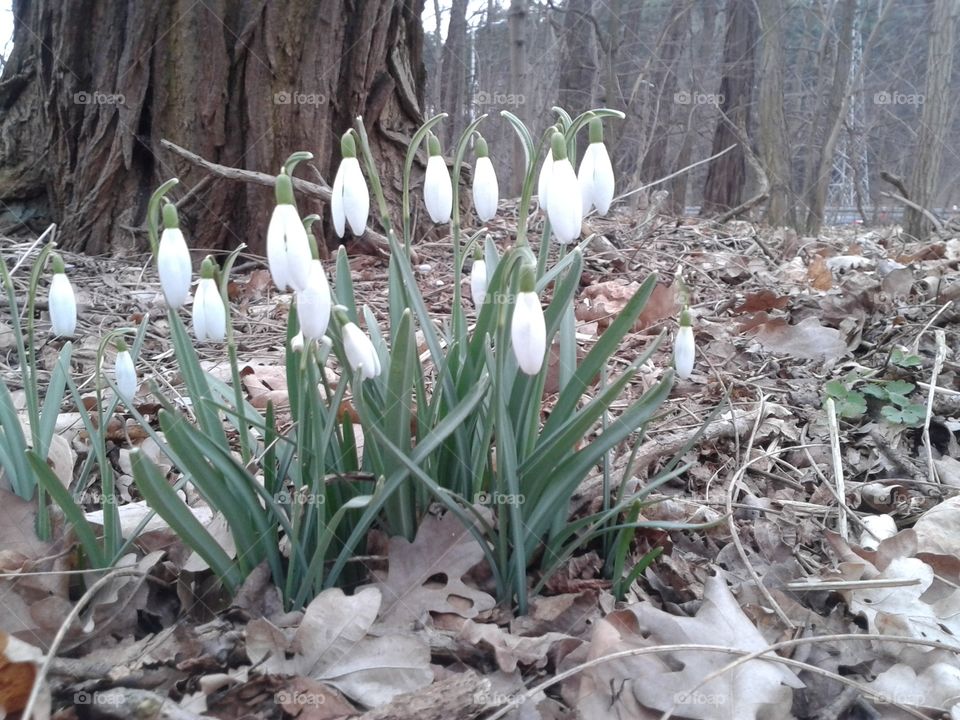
(313, 303)
(125, 375)
(564, 207)
(438, 190)
(543, 180)
(356, 197)
(277, 248)
(173, 264)
(209, 314)
(360, 351)
(336, 203)
(602, 184)
(528, 333)
(478, 282)
(486, 189)
(684, 350)
(296, 344)
(63, 306)
(298, 250)
(585, 179)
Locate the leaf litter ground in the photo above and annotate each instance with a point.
(828, 585)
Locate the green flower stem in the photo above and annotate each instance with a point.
(376, 187)
(153, 213)
(223, 282)
(407, 169)
(290, 165)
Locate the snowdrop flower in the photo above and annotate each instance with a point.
(124, 373)
(564, 206)
(528, 331)
(61, 300)
(684, 348)
(209, 313)
(361, 355)
(350, 202)
(596, 173)
(173, 260)
(478, 279)
(437, 187)
(543, 179)
(313, 302)
(296, 344)
(486, 189)
(288, 252)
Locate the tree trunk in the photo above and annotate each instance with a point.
(727, 175)
(243, 84)
(454, 78)
(518, 16)
(578, 64)
(819, 165)
(774, 137)
(935, 117)
(654, 165)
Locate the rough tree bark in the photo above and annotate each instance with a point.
(727, 175)
(454, 77)
(935, 117)
(240, 83)
(774, 139)
(578, 64)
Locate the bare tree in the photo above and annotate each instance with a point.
(241, 84)
(454, 78)
(727, 175)
(578, 65)
(518, 16)
(774, 139)
(935, 118)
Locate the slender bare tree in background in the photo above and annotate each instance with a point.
(773, 138)
(727, 175)
(654, 164)
(453, 95)
(827, 121)
(241, 84)
(578, 59)
(518, 16)
(935, 119)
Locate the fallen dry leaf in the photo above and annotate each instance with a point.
(18, 670)
(426, 575)
(332, 645)
(807, 340)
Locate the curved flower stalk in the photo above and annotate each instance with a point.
(173, 260)
(124, 372)
(486, 189)
(361, 355)
(478, 279)
(209, 313)
(350, 200)
(684, 347)
(61, 300)
(564, 205)
(595, 176)
(288, 250)
(528, 331)
(437, 187)
(313, 301)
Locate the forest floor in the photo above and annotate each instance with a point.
(833, 550)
